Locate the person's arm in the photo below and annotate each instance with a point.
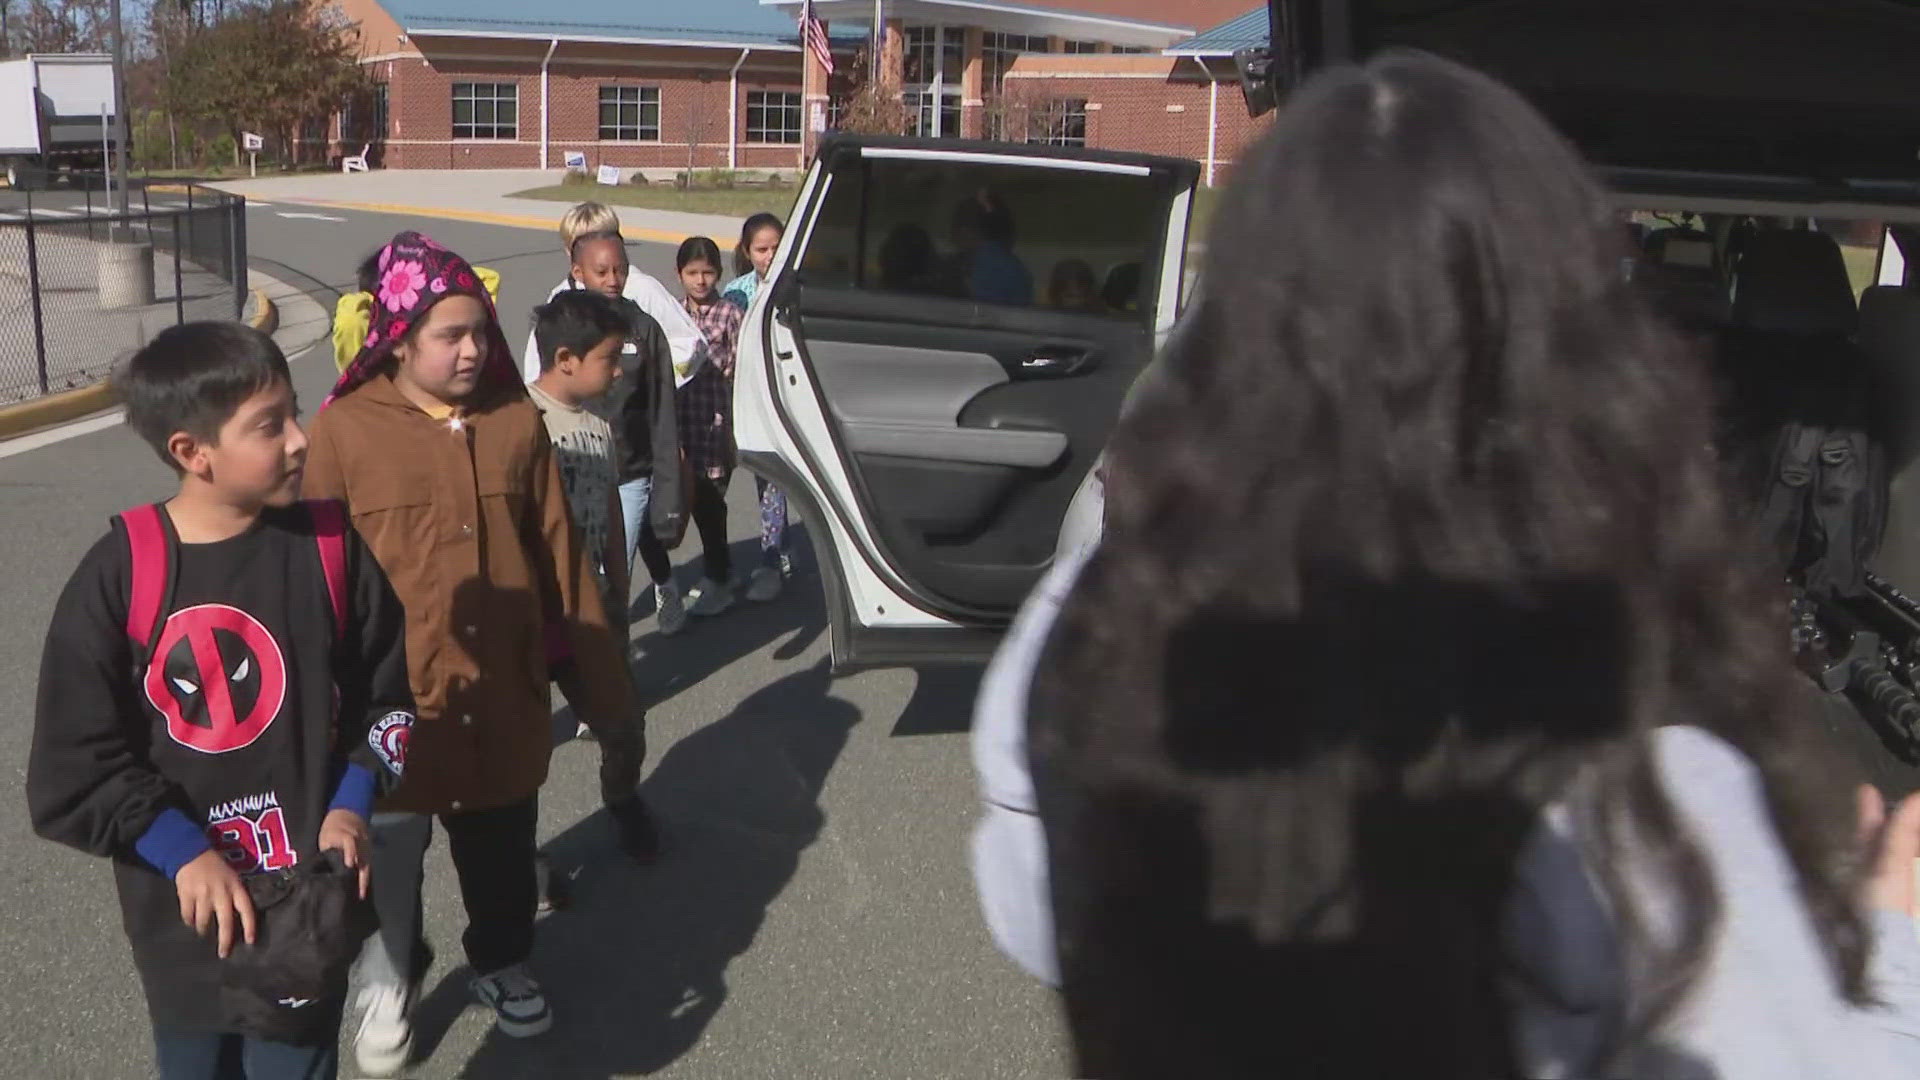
(668, 507)
(572, 599)
(614, 559)
(376, 700)
(90, 784)
(685, 342)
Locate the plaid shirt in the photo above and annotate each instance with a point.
(706, 401)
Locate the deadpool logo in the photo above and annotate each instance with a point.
(218, 677)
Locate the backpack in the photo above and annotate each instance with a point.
(1825, 506)
(153, 570)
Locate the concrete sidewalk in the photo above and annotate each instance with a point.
(480, 195)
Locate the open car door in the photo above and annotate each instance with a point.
(936, 361)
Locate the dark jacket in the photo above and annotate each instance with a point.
(640, 407)
(227, 740)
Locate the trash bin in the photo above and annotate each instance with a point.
(126, 274)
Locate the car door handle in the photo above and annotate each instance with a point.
(1049, 362)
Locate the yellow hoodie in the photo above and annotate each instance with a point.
(354, 313)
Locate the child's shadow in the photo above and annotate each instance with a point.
(635, 968)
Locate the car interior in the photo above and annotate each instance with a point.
(1794, 338)
(972, 326)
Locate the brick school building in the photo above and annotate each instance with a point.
(661, 85)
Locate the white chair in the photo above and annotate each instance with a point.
(356, 162)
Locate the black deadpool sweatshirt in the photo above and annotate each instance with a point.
(228, 739)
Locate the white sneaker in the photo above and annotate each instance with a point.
(710, 598)
(384, 1040)
(519, 1008)
(670, 611)
(765, 584)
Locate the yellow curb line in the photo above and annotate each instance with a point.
(485, 217)
(69, 405)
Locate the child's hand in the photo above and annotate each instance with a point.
(211, 893)
(346, 832)
(1893, 843)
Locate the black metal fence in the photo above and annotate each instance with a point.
(73, 300)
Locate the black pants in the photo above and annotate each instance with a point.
(492, 855)
(710, 517)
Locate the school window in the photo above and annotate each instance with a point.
(630, 114)
(998, 52)
(1077, 47)
(773, 116)
(486, 110)
(379, 130)
(1131, 49)
(1060, 122)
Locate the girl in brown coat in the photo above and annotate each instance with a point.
(445, 466)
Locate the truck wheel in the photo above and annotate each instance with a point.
(21, 176)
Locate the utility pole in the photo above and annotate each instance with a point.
(119, 163)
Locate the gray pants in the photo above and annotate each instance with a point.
(493, 853)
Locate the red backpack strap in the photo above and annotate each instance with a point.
(147, 541)
(329, 519)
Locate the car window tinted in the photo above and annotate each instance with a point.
(1050, 238)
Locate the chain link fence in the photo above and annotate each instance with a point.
(73, 276)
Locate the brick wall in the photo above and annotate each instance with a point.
(1150, 104)
(692, 96)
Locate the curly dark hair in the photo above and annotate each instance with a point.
(1419, 529)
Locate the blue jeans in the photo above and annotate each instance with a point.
(208, 1055)
(635, 497)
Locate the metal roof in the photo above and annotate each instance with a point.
(1243, 32)
(722, 23)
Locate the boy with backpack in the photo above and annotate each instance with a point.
(223, 693)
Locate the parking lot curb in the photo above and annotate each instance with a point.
(69, 405)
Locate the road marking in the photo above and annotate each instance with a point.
(46, 212)
(312, 217)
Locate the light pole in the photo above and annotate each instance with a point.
(119, 162)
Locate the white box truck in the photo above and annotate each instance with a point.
(51, 110)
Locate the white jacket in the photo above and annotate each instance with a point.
(684, 339)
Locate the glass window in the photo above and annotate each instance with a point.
(999, 234)
(630, 114)
(486, 110)
(1081, 46)
(379, 131)
(1059, 122)
(1132, 49)
(997, 53)
(773, 116)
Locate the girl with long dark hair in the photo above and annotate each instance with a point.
(1419, 712)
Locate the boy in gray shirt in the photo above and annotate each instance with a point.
(580, 335)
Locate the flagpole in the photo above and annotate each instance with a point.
(879, 42)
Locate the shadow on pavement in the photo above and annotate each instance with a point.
(636, 968)
(667, 665)
(942, 702)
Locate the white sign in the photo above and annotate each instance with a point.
(610, 175)
(577, 159)
(250, 141)
(819, 117)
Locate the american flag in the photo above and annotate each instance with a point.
(814, 36)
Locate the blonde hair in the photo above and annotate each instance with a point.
(588, 217)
